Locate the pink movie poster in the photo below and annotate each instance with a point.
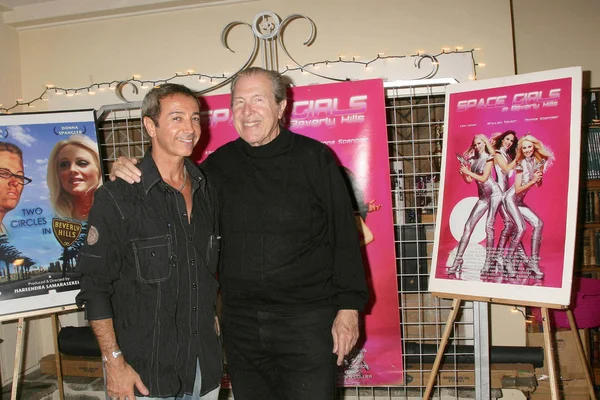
(348, 117)
(506, 225)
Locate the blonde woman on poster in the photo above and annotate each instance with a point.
(476, 164)
(74, 174)
(532, 160)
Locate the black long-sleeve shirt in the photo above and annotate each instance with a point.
(153, 272)
(289, 237)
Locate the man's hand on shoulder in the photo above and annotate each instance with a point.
(121, 379)
(345, 333)
(125, 168)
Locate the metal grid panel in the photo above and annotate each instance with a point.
(414, 126)
(120, 133)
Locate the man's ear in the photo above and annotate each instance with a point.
(282, 106)
(150, 126)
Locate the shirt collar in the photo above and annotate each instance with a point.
(151, 175)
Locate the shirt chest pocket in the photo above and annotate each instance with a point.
(153, 258)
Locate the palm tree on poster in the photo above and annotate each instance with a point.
(8, 254)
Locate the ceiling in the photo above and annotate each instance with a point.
(10, 4)
(31, 14)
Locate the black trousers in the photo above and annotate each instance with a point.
(280, 355)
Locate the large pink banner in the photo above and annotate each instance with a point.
(350, 118)
(539, 198)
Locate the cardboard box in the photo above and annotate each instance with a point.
(427, 218)
(72, 366)
(565, 350)
(571, 378)
(502, 376)
(570, 388)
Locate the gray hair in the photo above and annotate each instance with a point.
(277, 84)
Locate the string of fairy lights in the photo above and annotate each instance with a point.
(93, 88)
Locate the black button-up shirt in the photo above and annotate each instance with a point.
(153, 272)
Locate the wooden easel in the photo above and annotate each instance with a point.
(21, 325)
(549, 346)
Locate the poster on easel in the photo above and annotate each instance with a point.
(348, 117)
(507, 219)
(49, 170)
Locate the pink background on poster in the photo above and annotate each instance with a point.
(548, 201)
(348, 116)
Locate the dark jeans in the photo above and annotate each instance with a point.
(280, 355)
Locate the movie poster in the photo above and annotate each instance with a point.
(49, 171)
(348, 117)
(508, 205)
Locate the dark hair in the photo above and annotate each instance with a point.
(11, 148)
(151, 102)
(497, 142)
(277, 84)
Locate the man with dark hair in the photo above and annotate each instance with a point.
(149, 263)
(292, 277)
(12, 180)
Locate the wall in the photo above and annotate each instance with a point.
(555, 34)
(156, 46)
(10, 89)
(10, 65)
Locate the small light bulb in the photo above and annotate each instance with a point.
(481, 64)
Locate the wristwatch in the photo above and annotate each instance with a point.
(115, 354)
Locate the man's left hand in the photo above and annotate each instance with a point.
(345, 333)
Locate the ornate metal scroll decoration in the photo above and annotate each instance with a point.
(435, 65)
(119, 90)
(268, 31)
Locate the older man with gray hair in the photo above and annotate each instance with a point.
(291, 270)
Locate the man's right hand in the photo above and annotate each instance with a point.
(125, 168)
(121, 379)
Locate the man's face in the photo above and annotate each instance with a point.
(256, 114)
(10, 188)
(178, 128)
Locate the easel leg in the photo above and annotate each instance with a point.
(18, 355)
(582, 357)
(440, 353)
(61, 391)
(550, 354)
